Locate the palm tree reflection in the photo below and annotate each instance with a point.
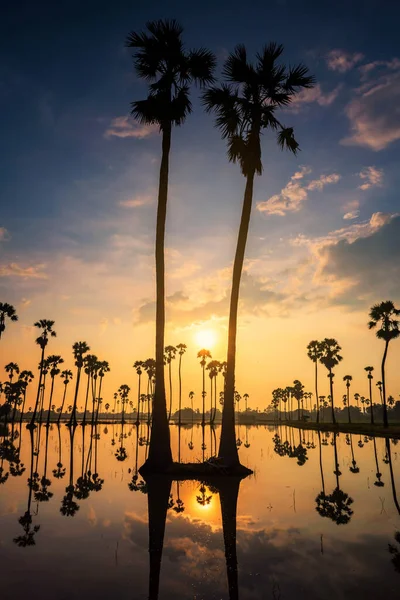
(28, 537)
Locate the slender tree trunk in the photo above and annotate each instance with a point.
(160, 455)
(370, 399)
(385, 415)
(158, 491)
(389, 455)
(32, 422)
(203, 395)
(316, 389)
(62, 403)
(73, 421)
(180, 389)
(23, 407)
(99, 400)
(170, 389)
(86, 400)
(228, 494)
(138, 405)
(51, 398)
(331, 390)
(348, 403)
(228, 449)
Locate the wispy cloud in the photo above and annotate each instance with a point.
(342, 61)
(295, 193)
(372, 177)
(16, 270)
(140, 200)
(351, 215)
(315, 94)
(125, 127)
(373, 113)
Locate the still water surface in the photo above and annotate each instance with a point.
(317, 520)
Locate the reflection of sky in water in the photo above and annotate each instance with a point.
(285, 548)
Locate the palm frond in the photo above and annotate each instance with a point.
(223, 102)
(202, 65)
(298, 76)
(236, 68)
(287, 141)
(180, 106)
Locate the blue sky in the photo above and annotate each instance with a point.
(78, 179)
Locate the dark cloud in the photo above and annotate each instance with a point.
(372, 263)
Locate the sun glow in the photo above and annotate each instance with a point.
(206, 338)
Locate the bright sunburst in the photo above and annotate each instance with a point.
(205, 338)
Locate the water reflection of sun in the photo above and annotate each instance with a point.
(206, 338)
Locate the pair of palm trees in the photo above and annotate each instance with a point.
(245, 105)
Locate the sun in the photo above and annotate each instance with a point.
(206, 338)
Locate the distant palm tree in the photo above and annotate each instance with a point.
(181, 350)
(169, 356)
(203, 354)
(123, 391)
(53, 361)
(11, 368)
(66, 376)
(26, 377)
(90, 362)
(370, 378)
(79, 350)
(138, 365)
(379, 386)
(104, 368)
(347, 379)
(213, 368)
(7, 311)
(330, 358)
(47, 330)
(314, 353)
(298, 392)
(246, 398)
(385, 315)
(244, 107)
(160, 58)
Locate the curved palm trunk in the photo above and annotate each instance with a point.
(170, 389)
(228, 449)
(385, 415)
(316, 389)
(32, 422)
(331, 390)
(370, 399)
(86, 400)
(99, 400)
(73, 421)
(50, 399)
(160, 456)
(389, 455)
(62, 403)
(320, 463)
(228, 494)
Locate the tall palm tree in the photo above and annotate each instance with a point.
(79, 350)
(203, 355)
(181, 351)
(104, 368)
(169, 356)
(298, 393)
(213, 368)
(245, 106)
(66, 377)
(138, 365)
(330, 358)
(161, 59)
(123, 391)
(7, 311)
(370, 378)
(347, 379)
(385, 315)
(314, 353)
(47, 331)
(54, 360)
(89, 362)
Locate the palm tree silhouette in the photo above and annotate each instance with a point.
(28, 537)
(26, 377)
(79, 350)
(244, 106)
(384, 314)
(330, 358)
(90, 362)
(66, 376)
(347, 379)
(370, 378)
(11, 368)
(181, 350)
(169, 356)
(298, 393)
(104, 368)
(47, 330)
(314, 353)
(123, 391)
(203, 354)
(213, 368)
(138, 365)
(160, 58)
(7, 311)
(53, 361)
